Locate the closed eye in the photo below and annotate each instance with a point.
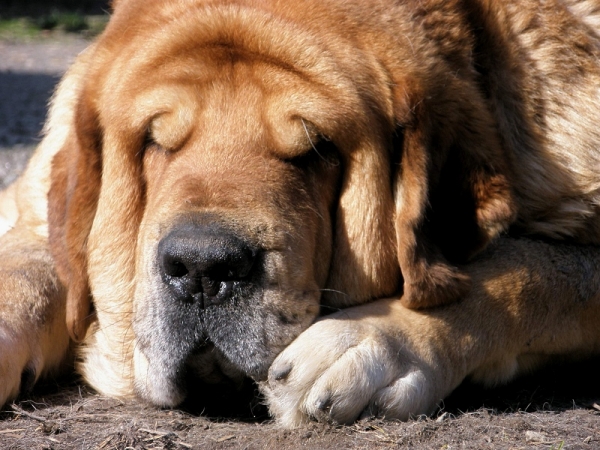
(149, 144)
(323, 152)
(324, 149)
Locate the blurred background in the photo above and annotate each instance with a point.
(39, 39)
(28, 18)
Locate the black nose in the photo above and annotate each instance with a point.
(201, 264)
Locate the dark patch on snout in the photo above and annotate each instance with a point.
(204, 264)
(209, 292)
(216, 312)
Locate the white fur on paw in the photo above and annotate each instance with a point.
(339, 370)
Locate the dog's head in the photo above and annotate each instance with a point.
(228, 172)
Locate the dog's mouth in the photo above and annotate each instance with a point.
(215, 387)
(224, 343)
(215, 315)
(218, 346)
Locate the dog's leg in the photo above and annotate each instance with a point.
(33, 334)
(529, 300)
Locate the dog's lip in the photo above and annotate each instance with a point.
(221, 329)
(222, 369)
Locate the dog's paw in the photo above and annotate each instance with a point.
(33, 334)
(341, 370)
(16, 374)
(28, 354)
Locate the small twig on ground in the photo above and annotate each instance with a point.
(162, 434)
(158, 432)
(15, 430)
(18, 411)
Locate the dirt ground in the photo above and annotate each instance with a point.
(558, 408)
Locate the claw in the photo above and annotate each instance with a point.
(279, 373)
(369, 412)
(324, 403)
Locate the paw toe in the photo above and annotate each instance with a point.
(279, 372)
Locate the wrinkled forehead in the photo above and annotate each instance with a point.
(231, 60)
(220, 92)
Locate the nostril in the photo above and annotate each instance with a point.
(174, 267)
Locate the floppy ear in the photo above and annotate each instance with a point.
(364, 264)
(72, 201)
(453, 193)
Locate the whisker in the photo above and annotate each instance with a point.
(312, 144)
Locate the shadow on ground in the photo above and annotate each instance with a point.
(557, 388)
(553, 410)
(27, 96)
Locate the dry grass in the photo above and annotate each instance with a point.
(555, 410)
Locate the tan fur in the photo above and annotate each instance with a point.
(33, 333)
(531, 300)
(361, 154)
